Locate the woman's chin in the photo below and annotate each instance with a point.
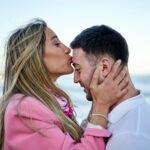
(71, 70)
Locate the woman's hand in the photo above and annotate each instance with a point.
(112, 88)
(107, 93)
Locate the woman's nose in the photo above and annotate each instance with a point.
(67, 50)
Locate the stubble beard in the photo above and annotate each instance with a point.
(89, 97)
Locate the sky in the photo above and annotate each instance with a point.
(69, 17)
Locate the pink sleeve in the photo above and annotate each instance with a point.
(20, 137)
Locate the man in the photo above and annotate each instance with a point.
(129, 118)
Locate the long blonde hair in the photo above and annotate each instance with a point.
(26, 73)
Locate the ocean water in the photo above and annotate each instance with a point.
(82, 106)
(141, 82)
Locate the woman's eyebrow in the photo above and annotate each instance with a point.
(53, 37)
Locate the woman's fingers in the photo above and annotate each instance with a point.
(96, 77)
(124, 83)
(122, 93)
(121, 75)
(113, 87)
(115, 70)
(94, 81)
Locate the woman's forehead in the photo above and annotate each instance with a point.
(49, 32)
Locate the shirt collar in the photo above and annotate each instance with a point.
(120, 110)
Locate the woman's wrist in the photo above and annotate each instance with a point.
(97, 120)
(98, 115)
(100, 109)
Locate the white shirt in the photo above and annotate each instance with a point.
(130, 125)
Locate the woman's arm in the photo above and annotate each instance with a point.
(48, 132)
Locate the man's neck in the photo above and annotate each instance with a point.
(132, 91)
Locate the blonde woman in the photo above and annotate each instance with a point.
(35, 114)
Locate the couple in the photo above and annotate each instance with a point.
(36, 114)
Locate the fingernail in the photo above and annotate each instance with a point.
(119, 61)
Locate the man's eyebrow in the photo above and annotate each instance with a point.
(53, 37)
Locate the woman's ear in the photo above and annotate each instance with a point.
(106, 65)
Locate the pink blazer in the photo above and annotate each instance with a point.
(18, 136)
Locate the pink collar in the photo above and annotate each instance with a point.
(64, 106)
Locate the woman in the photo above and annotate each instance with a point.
(35, 113)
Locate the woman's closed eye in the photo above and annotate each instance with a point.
(57, 44)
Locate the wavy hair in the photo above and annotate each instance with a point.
(26, 73)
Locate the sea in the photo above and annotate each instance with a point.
(78, 97)
(82, 106)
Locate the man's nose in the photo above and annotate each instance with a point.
(76, 77)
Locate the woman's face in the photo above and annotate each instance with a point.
(56, 56)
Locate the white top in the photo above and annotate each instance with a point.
(130, 125)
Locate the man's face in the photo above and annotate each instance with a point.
(84, 69)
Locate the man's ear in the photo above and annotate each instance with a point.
(106, 65)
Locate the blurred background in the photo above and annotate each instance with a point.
(69, 17)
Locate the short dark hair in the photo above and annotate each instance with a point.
(99, 40)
